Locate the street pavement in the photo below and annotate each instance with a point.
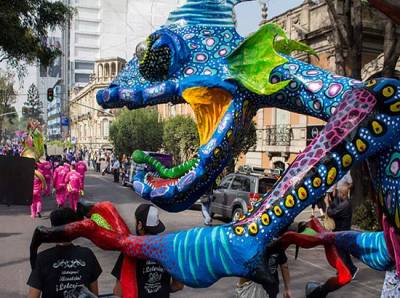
(16, 229)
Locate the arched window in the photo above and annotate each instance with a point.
(113, 69)
(107, 70)
(100, 71)
(106, 128)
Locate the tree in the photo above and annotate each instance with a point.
(391, 49)
(24, 26)
(347, 35)
(348, 38)
(180, 138)
(33, 106)
(137, 129)
(7, 101)
(246, 139)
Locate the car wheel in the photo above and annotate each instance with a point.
(237, 213)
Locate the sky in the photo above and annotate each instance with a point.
(249, 15)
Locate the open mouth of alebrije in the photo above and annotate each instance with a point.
(209, 106)
(163, 176)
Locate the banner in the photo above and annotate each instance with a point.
(16, 180)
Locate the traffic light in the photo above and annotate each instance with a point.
(50, 94)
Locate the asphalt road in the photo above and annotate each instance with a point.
(16, 229)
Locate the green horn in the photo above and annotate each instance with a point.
(139, 156)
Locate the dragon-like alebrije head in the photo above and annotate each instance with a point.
(198, 58)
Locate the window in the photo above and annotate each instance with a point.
(82, 78)
(226, 182)
(106, 128)
(241, 183)
(84, 65)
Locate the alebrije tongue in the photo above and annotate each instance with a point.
(140, 157)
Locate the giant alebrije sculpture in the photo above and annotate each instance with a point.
(199, 58)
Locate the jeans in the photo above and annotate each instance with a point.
(205, 210)
(345, 255)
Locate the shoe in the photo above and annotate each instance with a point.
(39, 215)
(355, 273)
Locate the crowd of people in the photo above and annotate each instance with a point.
(67, 180)
(11, 148)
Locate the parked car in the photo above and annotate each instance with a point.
(233, 195)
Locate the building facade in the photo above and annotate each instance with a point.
(90, 123)
(109, 28)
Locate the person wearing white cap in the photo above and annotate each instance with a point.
(158, 285)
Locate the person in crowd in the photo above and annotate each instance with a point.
(206, 200)
(73, 182)
(81, 168)
(59, 183)
(98, 162)
(321, 207)
(46, 168)
(391, 285)
(249, 289)
(63, 267)
(340, 210)
(158, 285)
(115, 169)
(39, 186)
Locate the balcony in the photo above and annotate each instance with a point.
(281, 138)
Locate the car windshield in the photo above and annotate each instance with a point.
(241, 183)
(265, 185)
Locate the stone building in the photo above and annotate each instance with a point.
(89, 122)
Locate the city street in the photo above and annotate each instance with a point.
(16, 230)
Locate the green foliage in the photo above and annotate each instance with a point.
(246, 139)
(64, 144)
(7, 102)
(33, 106)
(180, 138)
(24, 25)
(365, 216)
(137, 129)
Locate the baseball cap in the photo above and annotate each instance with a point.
(148, 215)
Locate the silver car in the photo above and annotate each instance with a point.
(232, 196)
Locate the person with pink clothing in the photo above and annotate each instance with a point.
(39, 185)
(81, 168)
(59, 183)
(45, 168)
(73, 182)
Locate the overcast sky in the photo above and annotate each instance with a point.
(249, 15)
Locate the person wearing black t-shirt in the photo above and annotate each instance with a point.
(64, 267)
(249, 289)
(152, 279)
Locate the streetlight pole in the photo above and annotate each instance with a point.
(264, 10)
